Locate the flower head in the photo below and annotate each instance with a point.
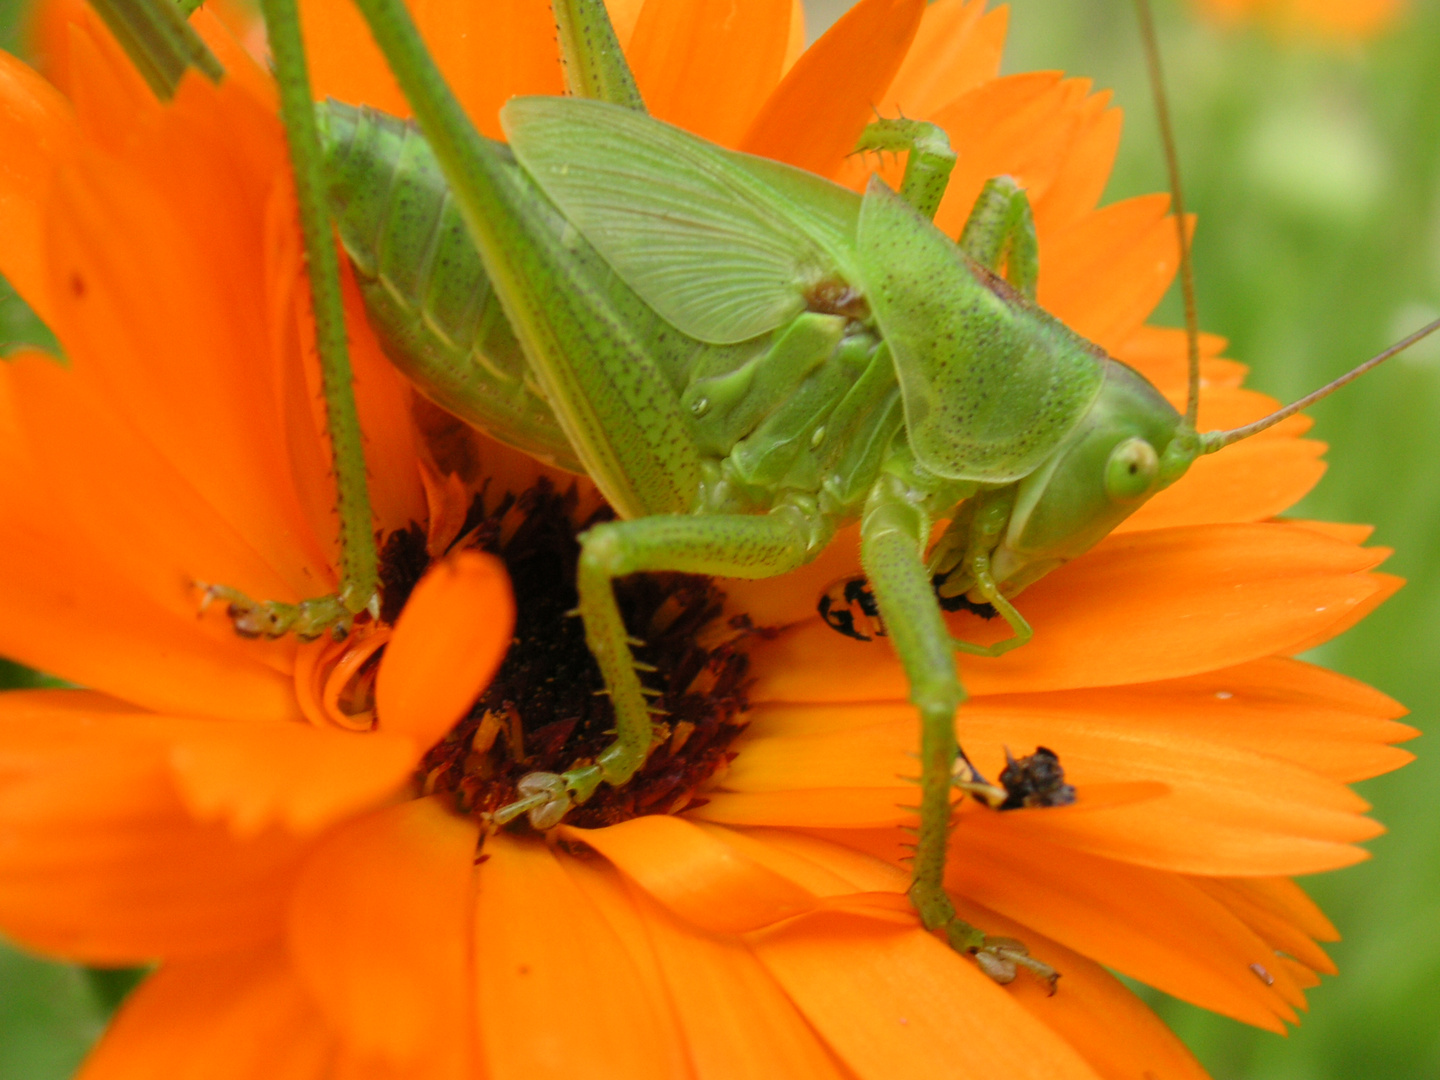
(294, 830)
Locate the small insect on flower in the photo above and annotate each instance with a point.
(848, 606)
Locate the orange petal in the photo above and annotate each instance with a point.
(1386, 586)
(1186, 832)
(242, 1016)
(490, 52)
(1279, 708)
(818, 111)
(620, 905)
(485, 53)
(956, 48)
(1284, 898)
(379, 929)
(448, 642)
(1116, 1032)
(1223, 809)
(118, 228)
(113, 484)
(233, 30)
(900, 1003)
(72, 610)
(102, 860)
(45, 41)
(1277, 931)
(709, 65)
(812, 808)
(540, 945)
(1161, 354)
(737, 1021)
(291, 775)
(344, 61)
(1105, 274)
(1084, 170)
(107, 91)
(624, 14)
(1022, 126)
(695, 874)
(1339, 530)
(37, 129)
(1151, 925)
(1140, 607)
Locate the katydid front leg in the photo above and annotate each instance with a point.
(720, 545)
(928, 158)
(1000, 232)
(893, 532)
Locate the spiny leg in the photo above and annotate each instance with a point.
(928, 160)
(1000, 231)
(892, 533)
(359, 579)
(722, 545)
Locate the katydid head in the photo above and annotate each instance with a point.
(1130, 444)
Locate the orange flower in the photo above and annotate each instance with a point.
(283, 826)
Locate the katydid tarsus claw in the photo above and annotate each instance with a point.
(770, 359)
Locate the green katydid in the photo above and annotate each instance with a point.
(744, 357)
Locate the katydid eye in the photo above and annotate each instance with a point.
(1131, 471)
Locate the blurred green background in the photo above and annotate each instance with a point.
(1315, 172)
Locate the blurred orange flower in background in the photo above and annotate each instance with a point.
(1335, 20)
(282, 826)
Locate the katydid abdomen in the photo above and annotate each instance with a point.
(432, 306)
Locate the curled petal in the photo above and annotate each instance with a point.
(448, 643)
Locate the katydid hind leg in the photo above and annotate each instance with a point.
(359, 576)
(1000, 232)
(719, 545)
(893, 531)
(928, 158)
(596, 363)
(595, 65)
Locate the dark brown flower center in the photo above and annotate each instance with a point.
(546, 710)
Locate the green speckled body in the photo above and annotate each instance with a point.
(425, 289)
(810, 407)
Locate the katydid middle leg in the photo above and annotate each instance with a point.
(893, 532)
(719, 545)
(1000, 232)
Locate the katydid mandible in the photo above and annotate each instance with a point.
(744, 357)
